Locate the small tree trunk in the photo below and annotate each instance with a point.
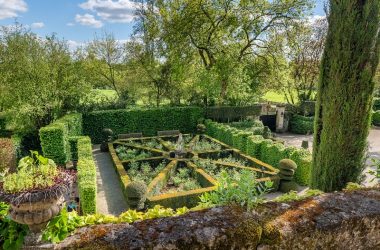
(223, 91)
(345, 91)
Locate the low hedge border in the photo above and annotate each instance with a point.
(264, 150)
(86, 176)
(55, 137)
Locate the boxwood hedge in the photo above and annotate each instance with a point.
(376, 118)
(86, 176)
(147, 121)
(301, 124)
(266, 150)
(55, 137)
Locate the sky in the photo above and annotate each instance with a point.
(77, 21)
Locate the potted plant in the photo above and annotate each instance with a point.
(35, 192)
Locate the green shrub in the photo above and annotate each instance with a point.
(55, 137)
(376, 104)
(136, 192)
(232, 113)
(54, 142)
(147, 121)
(301, 124)
(240, 140)
(376, 118)
(73, 142)
(303, 159)
(272, 153)
(86, 176)
(253, 145)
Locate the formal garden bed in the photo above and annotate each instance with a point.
(176, 181)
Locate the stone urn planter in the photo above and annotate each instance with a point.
(35, 208)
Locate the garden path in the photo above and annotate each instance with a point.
(110, 199)
(373, 149)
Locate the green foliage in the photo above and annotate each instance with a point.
(205, 145)
(73, 142)
(143, 171)
(376, 118)
(301, 124)
(232, 113)
(34, 172)
(272, 153)
(294, 196)
(147, 121)
(303, 159)
(343, 118)
(375, 106)
(246, 191)
(86, 176)
(136, 192)
(65, 223)
(254, 145)
(126, 154)
(39, 78)
(351, 186)
(55, 138)
(11, 233)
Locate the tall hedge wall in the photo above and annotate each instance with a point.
(265, 150)
(55, 137)
(86, 176)
(232, 113)
(147, 121)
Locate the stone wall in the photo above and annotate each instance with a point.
(345, 220)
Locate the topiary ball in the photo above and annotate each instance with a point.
(107, 134)
(136, 194)
(287, 164)
(201, 128)
(287, 186)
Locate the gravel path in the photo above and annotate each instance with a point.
(110, 199)
(373, 149)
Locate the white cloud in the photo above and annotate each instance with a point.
(12, 8)
(120, 11)
(88, 20)
(70, 24)
(37, 25)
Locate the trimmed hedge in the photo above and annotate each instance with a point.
(376, 104)
(232, 113)
(86, 176)
(376, 118)
(303, 159)
(55, 137)
(265, 150)
(3, 122)
(147, 121)
(254, 145)
(301, 124)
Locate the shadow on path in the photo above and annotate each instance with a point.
(110, 199)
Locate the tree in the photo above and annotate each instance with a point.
(305, 48)
(38, 76)
(345, 92)
(221, 36)
(106, 56)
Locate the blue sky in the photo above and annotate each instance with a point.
(77, 20)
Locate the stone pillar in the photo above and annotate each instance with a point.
(280, 119)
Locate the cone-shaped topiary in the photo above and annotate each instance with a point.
(136, 194)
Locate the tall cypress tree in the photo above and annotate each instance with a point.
(345, 91)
